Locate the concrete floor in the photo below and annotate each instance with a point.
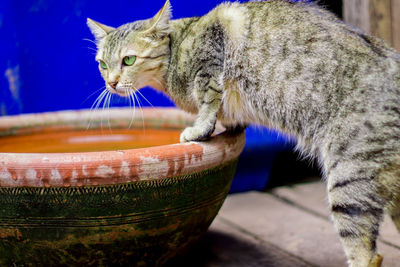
(287, 226)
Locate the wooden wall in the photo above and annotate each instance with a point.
(378, 17)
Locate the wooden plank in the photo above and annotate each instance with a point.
(396, 24)
(356, 13)
(292, 229)
(381, 19)
(313, 197)
(287, 227)
(388, 232)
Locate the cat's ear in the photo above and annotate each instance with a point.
(159, 24)
(99, 30)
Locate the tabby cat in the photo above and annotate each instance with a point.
(288, 65)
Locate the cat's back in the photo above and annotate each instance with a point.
(271, 17)
(276, 29)
(305, 27)
(302, 42)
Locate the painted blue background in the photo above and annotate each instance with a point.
(47, 65)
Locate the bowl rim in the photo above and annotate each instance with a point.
(111, 167)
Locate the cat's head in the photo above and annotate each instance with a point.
(133, 55)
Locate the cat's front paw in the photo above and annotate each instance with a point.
(194, 134)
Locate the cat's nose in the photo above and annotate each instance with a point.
(113, 84)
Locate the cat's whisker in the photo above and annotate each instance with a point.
(104, 106)
(98, 106)
(138, 91)
(106, 109)
(109, 111)
(158, 81)
(129, 94)
(95, 105)
(98, 100)
(91, 48)
(141, 110)
(102, 98)
(132, 92)
(85, 39)
(102, 88)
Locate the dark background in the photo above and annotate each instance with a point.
(335, 6)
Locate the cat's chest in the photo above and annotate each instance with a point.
(180, 91)
(183, 99)
(187, 106)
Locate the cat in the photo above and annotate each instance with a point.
(288, 65)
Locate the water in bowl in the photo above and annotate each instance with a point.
(64, 141)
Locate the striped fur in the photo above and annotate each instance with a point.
(291, 66)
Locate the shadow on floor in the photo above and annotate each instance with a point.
(220, 249)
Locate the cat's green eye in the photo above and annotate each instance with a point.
(129, 60)
(103, 65)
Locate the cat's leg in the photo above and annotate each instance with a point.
(357, 210)
(209, 100)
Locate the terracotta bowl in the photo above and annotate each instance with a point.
(111, 205)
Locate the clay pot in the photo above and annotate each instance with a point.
(121, 207)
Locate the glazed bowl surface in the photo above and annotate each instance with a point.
(121, 192)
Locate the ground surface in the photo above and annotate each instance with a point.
(287, 226)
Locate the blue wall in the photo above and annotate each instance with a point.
(45, 63)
